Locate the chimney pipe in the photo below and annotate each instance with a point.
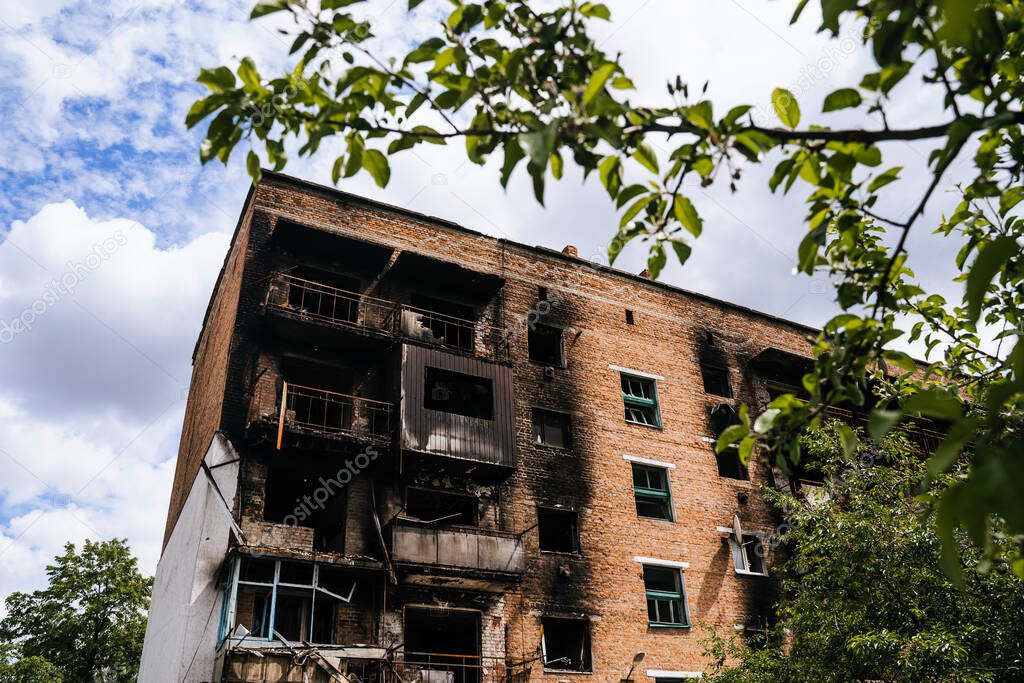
(570, 250)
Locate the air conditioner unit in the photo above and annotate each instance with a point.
(549, 372)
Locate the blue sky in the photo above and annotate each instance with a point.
(111, 233)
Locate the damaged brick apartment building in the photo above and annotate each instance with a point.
(413, 452)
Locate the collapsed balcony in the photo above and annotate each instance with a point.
(306, 301)
(456, 556)
(296, 412)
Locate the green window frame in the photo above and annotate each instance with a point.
(651, 492)
(640, 400)
(665, 591)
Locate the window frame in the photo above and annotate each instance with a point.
(739, 552)
(575, 531)
(641, 492)
(538, 437)
(430, 403)
(641, 403)
(589, 664)
(712, 368)
(679, 596)
(545, 329)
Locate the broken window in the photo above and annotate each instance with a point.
(551, 428)
(748, 554)
(298, 496)
(730, 465)
(565, 644)
(558, 530)
(650, 488)
(459, 393)
(441, 507)
(629, 317)
(545, 344)
(666, 598)
(716, 380)
(447, 322)
(443, 641)
(294, 601)
(640, 398)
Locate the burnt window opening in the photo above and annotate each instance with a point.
(558, 531)
(629, 317)
(441, 507)
(542, 293)
(748, 554)
(445, 641)
(544, 344)
(458, 393)
(716, 380)
(444, 322)
(323, 294)
(729, 463)
(551, 428)
(651, 492)
(566, 644)
(293, 496)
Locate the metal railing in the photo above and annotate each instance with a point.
(320, 412)
(303, 299)
(460, 547)
(925, 438)
(429, 667)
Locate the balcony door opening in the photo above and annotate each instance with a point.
(307, 497)
(442, 322)
(444, 645)
(323, 294)
(443, 508)
(319, 396)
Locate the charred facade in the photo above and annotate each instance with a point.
(413, 452)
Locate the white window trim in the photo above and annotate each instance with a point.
(661, 673)
(636, 373)
(648, 461)
(673, 564)
(726, 532)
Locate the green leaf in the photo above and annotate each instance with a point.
(645, 155)
(597, 81)
(656, 260)
(217, 80)
(934, 402)
(849, 439)
(1009, 199)
(957, 436)
(945, 525)
(539, 144)
(985, 267)
(337, 168)
(200, 109)
(252, 166)
(513, 155)
(265, 7)
(843, 98)
(731, 435)
(682, 250)
(881, 421)
(746, 448)
(610, 172)
(414, 3)
(900, 359)
(786, 107)
(686, 214)
(634, 209)
(595, 9)
(884, 178)
(765, 420)
(249, 75)
(376, 163)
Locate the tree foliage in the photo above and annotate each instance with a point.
(527, 82)
(87, 624)
(864, 598)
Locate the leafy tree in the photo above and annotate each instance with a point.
(864, 598)
(17, 669)
(88, 623)
(526, 81)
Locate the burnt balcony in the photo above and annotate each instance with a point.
(297, 411)
(464, 556)
(301, 300)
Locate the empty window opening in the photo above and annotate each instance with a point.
(443, 322)
(558, 530)
(629, 317)
(299, 496)
(545, 344)
(542, 293)
(565, 644)
(322, 294)
(296, 601)
(319, 396)
(640, 399)
(716, 380)
(441, 507)
(650, 488)
(443, 641)
(748, 554)
(551, 428)
(666, 598)
(729, 463)
(458, 393)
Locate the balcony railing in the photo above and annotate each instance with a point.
(306, 410)
(429, 667)
(256, 663)
(457, 547)
(301, 299)
(925, 438)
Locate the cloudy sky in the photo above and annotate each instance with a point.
(111, 234)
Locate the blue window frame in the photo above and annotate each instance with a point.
(640, 400)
